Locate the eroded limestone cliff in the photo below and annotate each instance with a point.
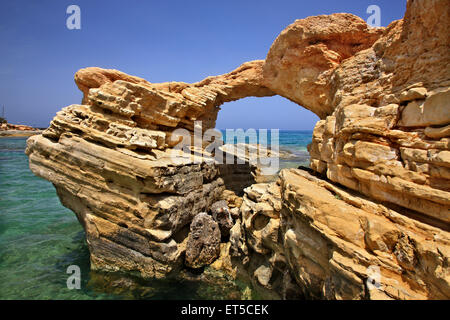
(370, 219)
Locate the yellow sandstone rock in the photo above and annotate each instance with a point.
(370, 220)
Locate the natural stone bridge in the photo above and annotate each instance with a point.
(377, 197)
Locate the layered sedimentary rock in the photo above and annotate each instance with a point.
(166, 106)
(134, 207)
(338, 245)
(371, 218)
(302, 59)
(384, 134)
(386, 130)
(110, 162)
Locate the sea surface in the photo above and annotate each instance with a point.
(292, 142)
(40, 239)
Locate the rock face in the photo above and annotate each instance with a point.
(338, 243)
(203, 245)
(370, 220)
(309, 238)
(135, 208)
(136, 103)
(386, 136)
(110, 162)
(302, 59)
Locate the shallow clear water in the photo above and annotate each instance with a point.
(39, 239)
(293, 141)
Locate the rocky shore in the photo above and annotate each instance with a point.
(370, 219)
(17, 130)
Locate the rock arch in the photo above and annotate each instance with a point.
(170, 105)
(336, 66)
(298, 66)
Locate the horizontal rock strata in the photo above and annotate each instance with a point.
(385, 132)
(369, 220)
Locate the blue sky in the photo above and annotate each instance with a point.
(157, 40)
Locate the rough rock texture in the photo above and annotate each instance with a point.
(137, 103)
(110, 163)
(135, 208)
(221, 214)
(265, 254)
(333, 238)
(386, 135)
(304, 56)
(203, 245)
(371, 220)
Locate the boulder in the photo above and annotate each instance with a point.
(203, 244)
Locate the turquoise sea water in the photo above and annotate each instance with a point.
(39, 239)
(293, 141)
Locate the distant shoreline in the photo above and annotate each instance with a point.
(17, 130)
(19, 133)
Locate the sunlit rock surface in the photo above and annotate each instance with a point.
(370, 220)
(387, 136)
